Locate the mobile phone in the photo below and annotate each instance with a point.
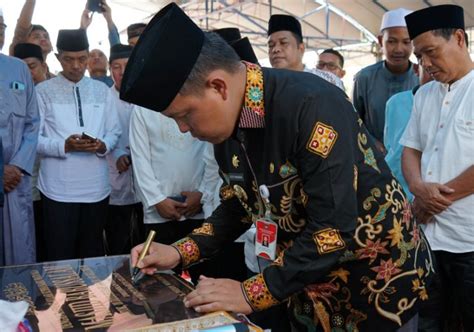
(95, 6)
(179, 198)
(88, 136)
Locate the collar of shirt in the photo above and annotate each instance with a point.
(253, 111)
(67, 81)
(396, 77)
(459, 82)
(325, 75)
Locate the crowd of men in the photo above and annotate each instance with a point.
(341, 215)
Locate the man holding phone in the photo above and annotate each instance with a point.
(78, 128)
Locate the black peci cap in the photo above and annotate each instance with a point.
(72, 40)
(279, 22)
(27, 50)
(162, 61)
(120, 51)
(244, 50)
(229, 34)
(433, 18)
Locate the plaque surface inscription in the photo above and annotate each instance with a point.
(94, 294)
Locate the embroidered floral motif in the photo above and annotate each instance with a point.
(235, 161)
(205, 229)
(287, 170)
(226, 192)
(240, 193)
(328, 240)
(188, 249)
(369, 157)
(337, 320)
(385, 270)
(271, 168)
(279, 260)
(257, 294)
(322, 139)
(415, 233)
(341, 274)
(407, 214)
(395, 234)
(372, 249)
(254, 89)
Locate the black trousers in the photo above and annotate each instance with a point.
(450, 306)
(124, 228)
(73, 230)
(228, 263)
(39, 229)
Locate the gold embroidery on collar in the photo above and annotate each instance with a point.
(254, 89)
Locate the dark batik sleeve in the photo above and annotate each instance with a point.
(325, 149)
(222, 227)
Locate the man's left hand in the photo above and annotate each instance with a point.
(11, 177)
(421, 215)
(193, 200)
(100, 147)
(217, 294)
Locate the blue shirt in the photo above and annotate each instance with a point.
(397, 114)
(373, 86)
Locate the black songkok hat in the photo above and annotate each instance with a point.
(280, 22)
(135, 30)
(27, 50)
(229, 34)
(72, 40)
(120, 51)
(244, 50)
(161, 61)
(433, 18)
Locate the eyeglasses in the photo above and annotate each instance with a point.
(328, 65)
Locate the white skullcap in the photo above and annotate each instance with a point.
(394, 18)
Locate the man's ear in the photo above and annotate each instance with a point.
(460, 38)
(343, 73)
(217, 82)
(416, 69)
(380, 39)
(301, 47)
(45, 67)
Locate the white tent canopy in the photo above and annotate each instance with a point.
(326, 24)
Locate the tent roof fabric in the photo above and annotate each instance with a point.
(325, 23)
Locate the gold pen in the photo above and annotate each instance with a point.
(143, 253)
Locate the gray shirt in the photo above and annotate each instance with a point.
(19, 125)
(373, 86)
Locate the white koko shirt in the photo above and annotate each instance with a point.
(68, 108)
(442, 128)
(122, 183)
(167, 162)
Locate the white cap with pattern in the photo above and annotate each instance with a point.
(394, 18)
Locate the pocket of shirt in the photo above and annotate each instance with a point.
(465, 127)
(17, 102)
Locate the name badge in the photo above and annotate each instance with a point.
(266, 239)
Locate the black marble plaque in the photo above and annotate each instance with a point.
(94, 294)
